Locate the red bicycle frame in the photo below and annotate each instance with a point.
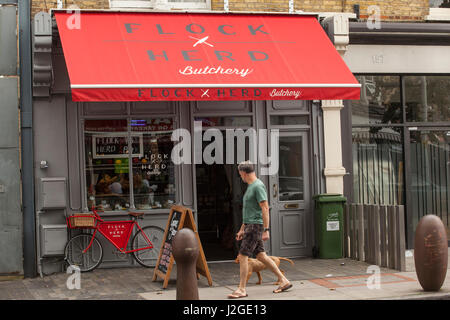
(117, 232)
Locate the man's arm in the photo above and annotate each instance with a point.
(266, 218)
(240, 233)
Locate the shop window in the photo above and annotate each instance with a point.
(378, 166)
(430, 178)
(289, 120)
(380, 101)
(107, 174)
(222, 107)
(427, 99)
(153, 172)
(108, 168)
(290, 173)
(231, 121)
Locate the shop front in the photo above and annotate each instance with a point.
(147, 110)
(401, 125)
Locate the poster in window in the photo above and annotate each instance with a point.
(107, 146)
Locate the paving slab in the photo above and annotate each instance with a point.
(392, 285)
(318, 279)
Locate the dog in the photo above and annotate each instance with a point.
(254, 265)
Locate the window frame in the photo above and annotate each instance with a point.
(406, 126)
(402, 103)
(159, 4)
(83, 165)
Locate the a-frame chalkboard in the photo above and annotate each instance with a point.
(180, 217)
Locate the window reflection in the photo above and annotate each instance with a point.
(108, 164)
(289, 120)
(430, 175)
(240, 121)
(378, 166)
(427, 98)
(380, 100)
(290, 170)
(107, 171)
(153, 172)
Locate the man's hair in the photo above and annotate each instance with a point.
(246, 166)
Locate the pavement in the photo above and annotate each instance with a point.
(312, 279)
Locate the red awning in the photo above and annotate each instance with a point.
(121, 56)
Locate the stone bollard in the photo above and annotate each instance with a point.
(431, 252)
(185, 252)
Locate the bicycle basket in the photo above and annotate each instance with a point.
(81, 220)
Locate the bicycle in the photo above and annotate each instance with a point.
(85, 251)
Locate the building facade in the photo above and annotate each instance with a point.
(400, 126)
(376, 150)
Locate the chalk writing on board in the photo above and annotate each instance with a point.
(167, 248)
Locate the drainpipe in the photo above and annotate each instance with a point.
(26, 127)
(226, 6)
(38, 248)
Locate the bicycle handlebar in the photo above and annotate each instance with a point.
(94, 211)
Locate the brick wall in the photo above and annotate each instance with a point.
(46, 5)
(395, 10)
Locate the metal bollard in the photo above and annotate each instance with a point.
(185, 252)
(431, 252)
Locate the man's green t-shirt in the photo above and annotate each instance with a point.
(256, 192)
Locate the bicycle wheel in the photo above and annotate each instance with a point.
(147, 257)
(87, 261)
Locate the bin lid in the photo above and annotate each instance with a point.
(329, 197)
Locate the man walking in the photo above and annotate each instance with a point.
(254, 230)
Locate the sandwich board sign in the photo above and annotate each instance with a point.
(180, 217)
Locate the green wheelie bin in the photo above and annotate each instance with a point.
(329, 212)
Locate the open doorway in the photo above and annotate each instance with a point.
(220, 190)
(219, 202)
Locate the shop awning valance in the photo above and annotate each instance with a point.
(124, 56)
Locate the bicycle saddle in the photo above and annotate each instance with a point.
(136, 214)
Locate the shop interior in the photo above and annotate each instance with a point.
(108, 169)
(219, 204)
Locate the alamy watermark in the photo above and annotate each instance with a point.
(374, 19)
(233, 146)
(373, 281)
(74, 280)
(74, 21)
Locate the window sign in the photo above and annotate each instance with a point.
(107, 146)
(154, 172)
(107, 160)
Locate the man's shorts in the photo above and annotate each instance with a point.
(252, 240)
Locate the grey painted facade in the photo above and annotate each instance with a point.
(58, 125)
(11, 224)
(58, 136)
